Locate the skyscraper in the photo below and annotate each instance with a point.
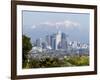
(63, 41)
(48, 40)
(58, 39)
(53, 41)
(39, 42)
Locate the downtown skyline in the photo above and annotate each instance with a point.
(57, 41)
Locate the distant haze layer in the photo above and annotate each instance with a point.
(39, 24)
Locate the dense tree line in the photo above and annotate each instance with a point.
(26, 47)
(56, 62)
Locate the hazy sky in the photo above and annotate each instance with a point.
(39, 24)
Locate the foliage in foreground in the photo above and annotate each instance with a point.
(78, 60)
(55, 62)
(27, 46)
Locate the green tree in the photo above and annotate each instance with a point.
(26, 47)
(79, 61)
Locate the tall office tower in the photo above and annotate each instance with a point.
(39, 42)
(63, 36)
(58, 39)
(48, 40)
(53, 41)
(63, 41)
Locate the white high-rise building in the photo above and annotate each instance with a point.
(58, 39)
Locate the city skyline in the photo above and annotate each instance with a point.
(54, 41)
(58, 41)
(39, 24)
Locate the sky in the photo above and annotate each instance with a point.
(39, 24)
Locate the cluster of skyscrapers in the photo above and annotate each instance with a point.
(55, 41)
(59, 41)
